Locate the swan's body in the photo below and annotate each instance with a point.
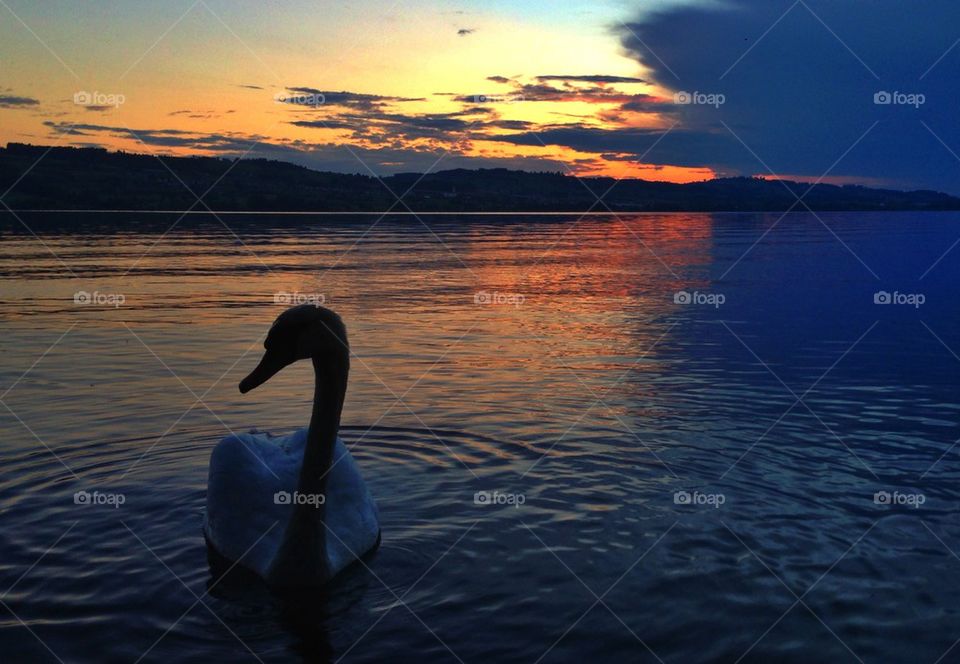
(294, 509)
(247, 471)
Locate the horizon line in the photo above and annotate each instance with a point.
(473, 213)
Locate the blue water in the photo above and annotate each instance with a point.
(765, 474)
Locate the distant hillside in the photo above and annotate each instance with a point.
(92, 178)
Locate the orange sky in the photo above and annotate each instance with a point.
(347, 90)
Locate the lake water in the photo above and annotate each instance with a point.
(765, 473)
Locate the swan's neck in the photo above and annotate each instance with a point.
(302, 556)
(330, 387)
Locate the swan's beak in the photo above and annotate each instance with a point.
(271, 363)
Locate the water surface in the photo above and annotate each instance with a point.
(698, 481)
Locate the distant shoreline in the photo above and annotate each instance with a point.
(475, 213)
(84, 180)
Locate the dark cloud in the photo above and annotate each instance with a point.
(572, 88)
(593, 78)
(799, 81)
(677, 147)
(647, 104)
(13, 101)
(227, 142)
(323, 124)
(382, 159)
(379, 125)
(358, 100)
(196, 115)
(250, 87)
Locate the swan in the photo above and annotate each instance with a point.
(293, 509)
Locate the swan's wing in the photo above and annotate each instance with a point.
(246, 522)
(351, 513)
(244, 517)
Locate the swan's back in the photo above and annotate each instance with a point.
(246, 518)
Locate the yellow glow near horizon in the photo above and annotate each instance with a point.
(204, 82)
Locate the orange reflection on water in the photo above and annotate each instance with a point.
(593, 291)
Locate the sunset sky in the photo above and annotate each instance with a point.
(785, 88)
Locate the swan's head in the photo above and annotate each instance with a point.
(300, 333)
